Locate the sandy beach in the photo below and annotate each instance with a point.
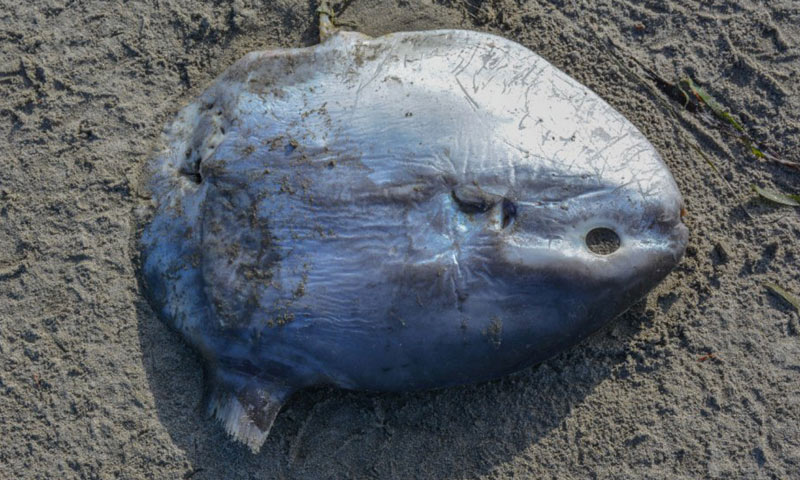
(699, 380)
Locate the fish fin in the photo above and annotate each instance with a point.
(327, 23)
(247, 413)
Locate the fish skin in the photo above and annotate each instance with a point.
(397, 213)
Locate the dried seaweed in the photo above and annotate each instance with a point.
(696, 100)
(789, 298)
(789, 200)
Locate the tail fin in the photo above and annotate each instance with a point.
(247, 412)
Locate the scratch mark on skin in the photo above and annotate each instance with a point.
(375, 74)
(486, 57)
(493, 64)
(471, 101)
(526, 102)
(516, 147)
(463, 66)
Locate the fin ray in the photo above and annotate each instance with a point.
(246, 413)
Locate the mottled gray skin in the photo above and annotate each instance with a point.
(406, 212)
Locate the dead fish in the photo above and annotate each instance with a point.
(413, 211)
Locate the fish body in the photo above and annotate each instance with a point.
(397, 213)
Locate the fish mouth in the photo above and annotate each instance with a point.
(663, 261)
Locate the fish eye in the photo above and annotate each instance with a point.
(472, 200)
(602, 241)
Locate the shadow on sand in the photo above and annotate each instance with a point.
(328, 433)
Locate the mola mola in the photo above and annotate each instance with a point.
(406, 212)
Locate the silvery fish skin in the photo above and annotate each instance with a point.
(397, 213)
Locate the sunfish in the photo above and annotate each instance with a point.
(413, 211)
